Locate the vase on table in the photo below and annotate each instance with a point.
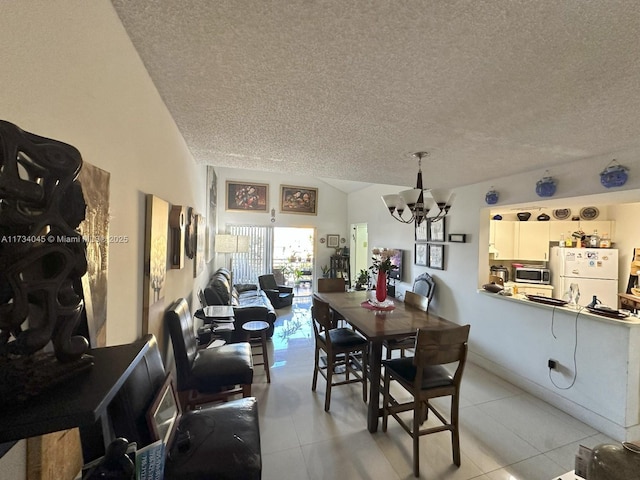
(381, 286)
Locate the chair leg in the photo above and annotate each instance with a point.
(265, 355)
(455, 433)
(385, 401)
(246, 390)
(327, 395)
(363, 372)
(315, 370)
(416, 437)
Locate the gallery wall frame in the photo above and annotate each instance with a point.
(95, 227)
(302, 200)
(333, 241)
(421, 231)
(247, 197)
(458, 237)
(155, 268)
(199, 262)
(212, 207)
(436, 256)
(437, 230)
(421, 251)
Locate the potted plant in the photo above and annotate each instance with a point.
(362, 282)
(325, 271)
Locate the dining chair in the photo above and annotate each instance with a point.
(342, 346)
(326, 285)
(425, 377)
(415, 300)
(329, 285)
(209, 374)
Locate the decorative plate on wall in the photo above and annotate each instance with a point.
(561, 213)
(589, 213)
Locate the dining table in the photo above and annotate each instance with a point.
(377, 325)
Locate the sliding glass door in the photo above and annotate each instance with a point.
(287, 252)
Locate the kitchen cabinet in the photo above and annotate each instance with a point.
(532, 241)
(502, 239)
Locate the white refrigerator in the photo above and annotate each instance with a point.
(595, 270)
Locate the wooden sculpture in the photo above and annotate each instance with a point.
(42, 260)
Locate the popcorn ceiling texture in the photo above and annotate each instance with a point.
(348, 90)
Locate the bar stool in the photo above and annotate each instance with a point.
(258, 329)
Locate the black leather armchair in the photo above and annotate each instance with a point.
(224, 439)
(279, 295)
(205, 375)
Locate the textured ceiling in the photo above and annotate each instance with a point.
(348, 90)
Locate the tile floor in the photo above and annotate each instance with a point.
(506, 434)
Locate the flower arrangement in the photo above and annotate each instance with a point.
(382, 260)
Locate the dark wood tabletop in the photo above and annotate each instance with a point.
(377, 326)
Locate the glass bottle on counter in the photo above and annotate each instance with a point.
(568, 241)
(594, 240)
(605, 241)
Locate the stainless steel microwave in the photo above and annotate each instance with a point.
(533, 275)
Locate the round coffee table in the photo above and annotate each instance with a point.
(258, 330)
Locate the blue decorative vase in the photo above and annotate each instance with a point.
(615, 175)
(546, 187)
(491, 197)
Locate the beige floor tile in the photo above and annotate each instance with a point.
(506, 434)
(348, 457)
(283, 465)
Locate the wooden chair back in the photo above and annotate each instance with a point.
(416, 300)
(326, 285)
(441, 347)
(322, 317)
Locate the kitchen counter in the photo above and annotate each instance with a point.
(630, 321)
(598, 376)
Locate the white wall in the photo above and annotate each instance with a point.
(331, 217)
(69, 72)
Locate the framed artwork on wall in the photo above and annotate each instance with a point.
(458, 237)
(212, 207)
(333, 241)
(421, 251)
(437, 230)
(245, 197)
(421, 231)
(302, 200)
(436, 256)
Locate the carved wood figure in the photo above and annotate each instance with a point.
(42, 259)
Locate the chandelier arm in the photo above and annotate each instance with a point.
(399, 218)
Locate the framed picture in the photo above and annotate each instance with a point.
(247, 196)
(164, 414)
(421, 251)
(437, 230)
(421, 231)
(302, 200)
(458, 237)
(436, 256)
(333, 241)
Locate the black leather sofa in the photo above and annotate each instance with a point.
(248, 302)
(222, 442)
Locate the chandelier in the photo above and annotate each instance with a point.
(419, 201)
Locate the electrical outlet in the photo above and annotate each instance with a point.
(552, 364)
